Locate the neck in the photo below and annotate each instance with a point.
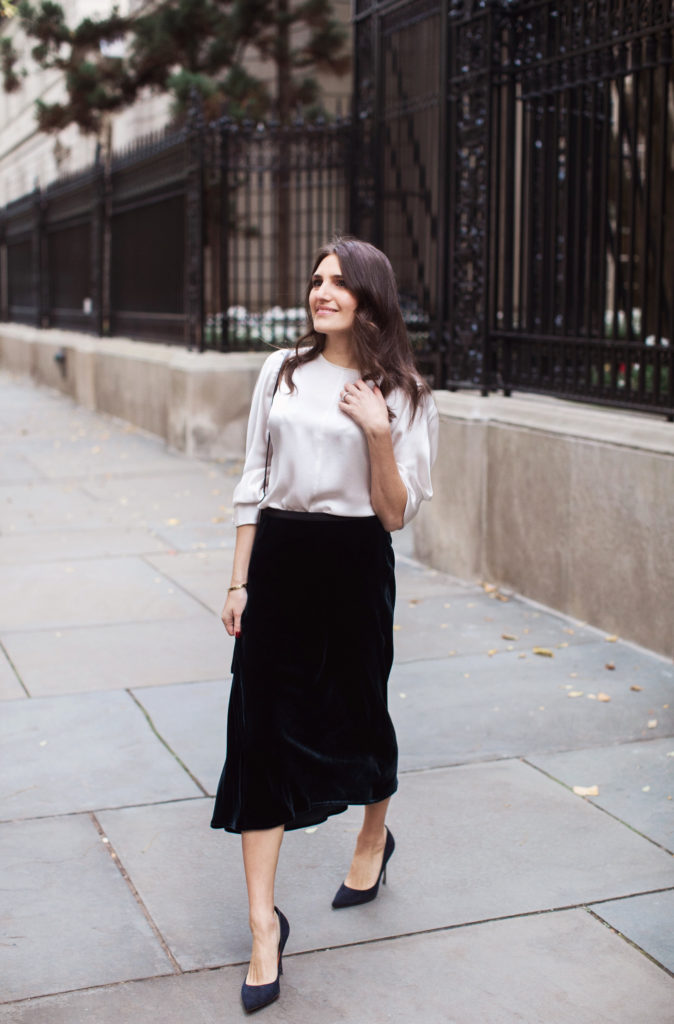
(340, 351)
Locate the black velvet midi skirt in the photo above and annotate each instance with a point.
(308, 728)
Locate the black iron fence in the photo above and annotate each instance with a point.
(514, 159)
(201, 237)
(517, 163)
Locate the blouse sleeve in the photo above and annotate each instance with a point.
(415, 446)
(248, 491)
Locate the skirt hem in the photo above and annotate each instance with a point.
(317, 814)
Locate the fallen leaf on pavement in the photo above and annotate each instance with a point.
(544, 651)
(575, 693)
(172, 522)
(586, 790)
(611, 639)
(610, 666)
(645, 789)
(603, 696)
(509, 636)
(636, 687)
(652, 722)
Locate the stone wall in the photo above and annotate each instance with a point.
(198, 402)
(567, 504)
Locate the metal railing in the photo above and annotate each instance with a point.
(202, 237)
(520, 177)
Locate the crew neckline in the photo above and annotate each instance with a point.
(338, 366)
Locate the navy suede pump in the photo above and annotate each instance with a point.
(346, 897)
(254, 997)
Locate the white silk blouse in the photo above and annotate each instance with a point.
(318, 456)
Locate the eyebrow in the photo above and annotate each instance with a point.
(335, 277)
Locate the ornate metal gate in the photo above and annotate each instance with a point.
(517, 163)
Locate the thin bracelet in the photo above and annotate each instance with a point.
(237, 586)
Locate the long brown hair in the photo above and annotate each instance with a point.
(382, 347)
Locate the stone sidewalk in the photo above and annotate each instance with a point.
(511, 898)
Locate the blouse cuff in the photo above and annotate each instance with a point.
(245, 515)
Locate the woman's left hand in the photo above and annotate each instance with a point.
(366, 406)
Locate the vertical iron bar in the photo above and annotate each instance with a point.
(646, 217)
(511, 142)
(97, 228)
(378, 117)
(487, 141)
(194, 255)
(442, 282)
(224, 233)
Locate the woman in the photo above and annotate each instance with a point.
(341, 438)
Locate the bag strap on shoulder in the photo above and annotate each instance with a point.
(266, 461)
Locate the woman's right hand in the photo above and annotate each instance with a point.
(233, 610)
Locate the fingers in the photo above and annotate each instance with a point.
(228, 620)
(232, 612)
(365, 405)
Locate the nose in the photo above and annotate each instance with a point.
(323, 291)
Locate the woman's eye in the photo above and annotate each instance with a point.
(316, 282)
(340, 282)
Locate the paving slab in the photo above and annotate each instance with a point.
(415, 581)
(57, 545)
(15, 468)
(196, 494)
(30, 505)
(443, 625)
(114, 657)
(203, 574)
(10, 687)
(192, 720)
(469, 708)
(104, 450)
(646, 921)
(89, 592)
(635, 782)
(198, 536)
(560, 968)
(69, 920)
(502, 839)
(60, 755)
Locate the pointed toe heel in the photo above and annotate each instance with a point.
(347, 897)
(255, 997)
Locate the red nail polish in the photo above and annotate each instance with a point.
(237, 634)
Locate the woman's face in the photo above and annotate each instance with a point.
(332, 305)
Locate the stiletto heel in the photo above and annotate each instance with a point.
(347, 897)
(254, 997)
